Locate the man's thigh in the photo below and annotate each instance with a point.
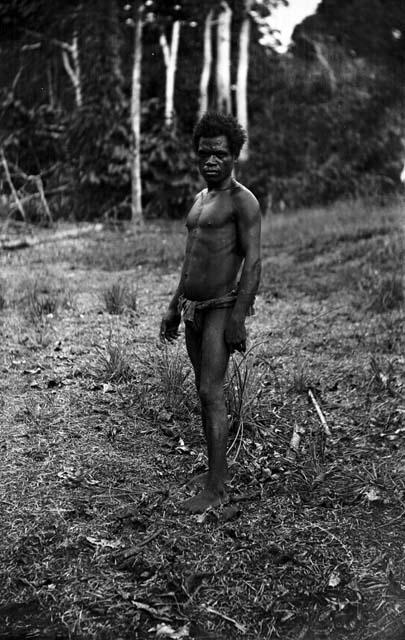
(193, 345)
(214, 350)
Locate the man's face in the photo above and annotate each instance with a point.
(215, 160)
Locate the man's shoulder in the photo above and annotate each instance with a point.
(244, 199)
(199, 194)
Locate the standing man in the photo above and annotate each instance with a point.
(223, 241)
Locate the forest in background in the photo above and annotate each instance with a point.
(79, 127)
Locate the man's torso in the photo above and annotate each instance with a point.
(213, 255)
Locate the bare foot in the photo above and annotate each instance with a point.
(197, 482)
(200, 481)
(204, 500)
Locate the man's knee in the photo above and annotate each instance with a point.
(211, 394)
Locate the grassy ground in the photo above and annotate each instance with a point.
(100, 430)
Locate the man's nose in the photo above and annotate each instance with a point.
(211, 160)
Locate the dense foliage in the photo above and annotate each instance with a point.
(320, 127)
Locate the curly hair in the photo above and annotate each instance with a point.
(214, 124)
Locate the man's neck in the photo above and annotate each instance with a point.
(226, 184)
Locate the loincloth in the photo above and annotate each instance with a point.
(192, 309)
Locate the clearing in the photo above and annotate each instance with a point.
(100, 430)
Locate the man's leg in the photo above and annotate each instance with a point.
(213, 364)
(193, 344)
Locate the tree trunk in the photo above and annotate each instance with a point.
(207, 63)
(136, 187)
(114, 46)
(223, 76)
(242, 77)
(170, 58)
(71, 62)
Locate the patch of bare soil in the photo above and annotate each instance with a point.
(100, 431)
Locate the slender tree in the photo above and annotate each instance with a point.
(170, 53)
(71, 63)
(207, 63)
(223, 69)
(242, 76)
(136, 185)
(114, 45)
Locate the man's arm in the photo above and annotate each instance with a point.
(171, 319)
(248, 223)
(169, 326)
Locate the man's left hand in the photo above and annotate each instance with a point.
(235, 334)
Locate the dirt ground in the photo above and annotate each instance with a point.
(100, 430)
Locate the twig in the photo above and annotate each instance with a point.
(294, 446)
(40, 187)
(51, 192)
(319, 412)
(238, 625)
(151, 610)
(387, 524)
(132, 551)
(12, 187)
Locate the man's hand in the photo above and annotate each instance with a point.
(169, 327)
(235, 334)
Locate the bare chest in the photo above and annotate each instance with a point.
(211, 211)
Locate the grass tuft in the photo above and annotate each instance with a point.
(241, 391)
(388, 294)
(119, 297)
(112, 363)
(171, 372)
(43, 299)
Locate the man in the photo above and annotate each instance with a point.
(223, 240)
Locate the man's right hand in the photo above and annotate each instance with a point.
(169, 327)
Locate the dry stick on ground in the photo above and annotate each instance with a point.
(238, 625)
(319, 412)
(22, 243)
(125, 555)
(12, 187)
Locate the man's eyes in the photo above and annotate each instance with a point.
(207, 154)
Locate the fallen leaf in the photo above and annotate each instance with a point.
(201, 517)
(373, 495)
(153, 612)
(165, 415)
(334, 579)
(102, 542)
(165, 631)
